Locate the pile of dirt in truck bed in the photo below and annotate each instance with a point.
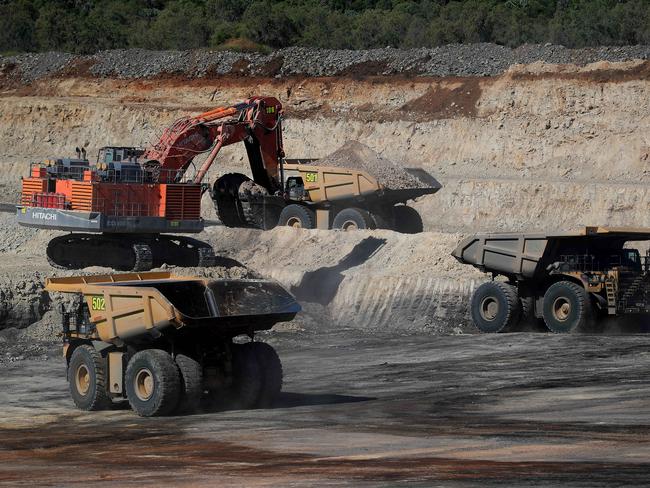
(355, 155)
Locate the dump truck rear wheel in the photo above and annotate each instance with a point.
(407, 220)
(271, 369)
(495, 307)
(153, 383)
(353, 219)
(191, 383)
(382, 221)
(247, 376)
(87, 379)
(566, 307)
(298, 216)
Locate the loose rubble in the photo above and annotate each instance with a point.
(451, 60)
(356, 155)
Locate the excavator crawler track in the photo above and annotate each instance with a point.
(127, 252)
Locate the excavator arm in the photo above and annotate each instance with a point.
(256, 122)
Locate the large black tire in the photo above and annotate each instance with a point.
(382, 220)
(495, 307)
(353, 219)
(271, 369)
(87, 379)
(153, 383)
(566, 307)
(247, 376)
(527, 308)
(225, 195)
(191, 383)
(407, 220)
(298, 216)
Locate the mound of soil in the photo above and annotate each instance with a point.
(355, 155)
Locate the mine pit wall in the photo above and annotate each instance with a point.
(375, 281)
(377, 303)
(536, 141)
(378, 281)
(22, 301)
(434, 305)
(538, 147)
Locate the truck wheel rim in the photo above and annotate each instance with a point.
(350, 225)
(294, 222)
(561, 309)
(143, 384)
(82, 379)
(489, 308)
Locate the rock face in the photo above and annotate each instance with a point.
(22, 299)
(530, 146)
(538, 145)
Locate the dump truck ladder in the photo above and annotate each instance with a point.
(611, 291)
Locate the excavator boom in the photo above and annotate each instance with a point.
(256, 122)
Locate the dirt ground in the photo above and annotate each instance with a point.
(360, 410)
(386, 383)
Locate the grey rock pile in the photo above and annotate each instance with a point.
(33, 66)
(356, 155)
(450, 60)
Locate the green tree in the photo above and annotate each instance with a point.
(87, 26)
(380, 28)
(108, 26)
(180, 25)
(462, 22)
(18, 26)
(56, 28)
(271, 23)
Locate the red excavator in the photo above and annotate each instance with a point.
(121, 209)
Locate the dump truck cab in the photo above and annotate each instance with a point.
(565, 278)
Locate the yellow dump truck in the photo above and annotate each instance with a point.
(319, 197)
(570, 279)
(163, 342)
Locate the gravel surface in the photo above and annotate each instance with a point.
(356, 155)
(451, 60)
(524, 410)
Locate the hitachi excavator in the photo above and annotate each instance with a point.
(122, 209)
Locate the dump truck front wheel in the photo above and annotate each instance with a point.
(495, 307)
(353, 219)
(87, 379)
(565, 307)
(271, 369)
(153, 383)
(298, 216)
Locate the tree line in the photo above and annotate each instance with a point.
(88, 26)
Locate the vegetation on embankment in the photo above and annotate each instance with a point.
(87, 26)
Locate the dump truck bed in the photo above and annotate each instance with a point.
(519, 254)
(126, 306)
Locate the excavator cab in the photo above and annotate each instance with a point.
(118, 154)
